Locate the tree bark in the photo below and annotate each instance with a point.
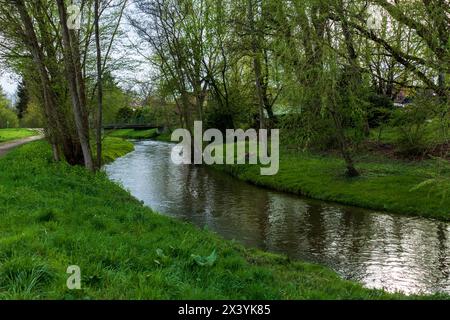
(75, 85)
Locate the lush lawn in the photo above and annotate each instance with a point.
(383, 185)
(134, 134)
(13, 134)
(54, 215)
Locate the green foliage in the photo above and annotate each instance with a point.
(114, 98)
(413, 132)
(33, 117)
(8, 118)
(296, 133)
(380, 110)
(22, 99)
(124, 115)
(439, 179)
(115, 240)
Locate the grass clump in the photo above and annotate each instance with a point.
(114, 148)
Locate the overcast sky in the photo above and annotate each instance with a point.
(140, 71)
(9, 84)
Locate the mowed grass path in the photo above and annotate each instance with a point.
(53, 215)
(14, 134)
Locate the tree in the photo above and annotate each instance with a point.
(175, 33)
(32, 42)
(76, 84)
(22, 99)
(8, 119)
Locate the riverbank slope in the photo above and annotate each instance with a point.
(54, 215)
(386, 185)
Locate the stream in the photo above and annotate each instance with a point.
(380, 250)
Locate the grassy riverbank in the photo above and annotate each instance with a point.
(386, 185)
(14, 134)
(54, 215)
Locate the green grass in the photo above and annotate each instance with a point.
(13, 134)
(383, 185)
(53, 215)
(114, 148)
(134, 134)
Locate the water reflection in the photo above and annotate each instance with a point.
(394, 252)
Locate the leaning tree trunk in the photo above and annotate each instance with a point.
(75, 86)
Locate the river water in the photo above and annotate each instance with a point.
(393, 252)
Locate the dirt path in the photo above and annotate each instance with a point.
(8, 146)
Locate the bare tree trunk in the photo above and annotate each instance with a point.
(75, 86)
(99, 86)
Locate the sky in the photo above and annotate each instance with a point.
(139, 72)
(8, 83)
